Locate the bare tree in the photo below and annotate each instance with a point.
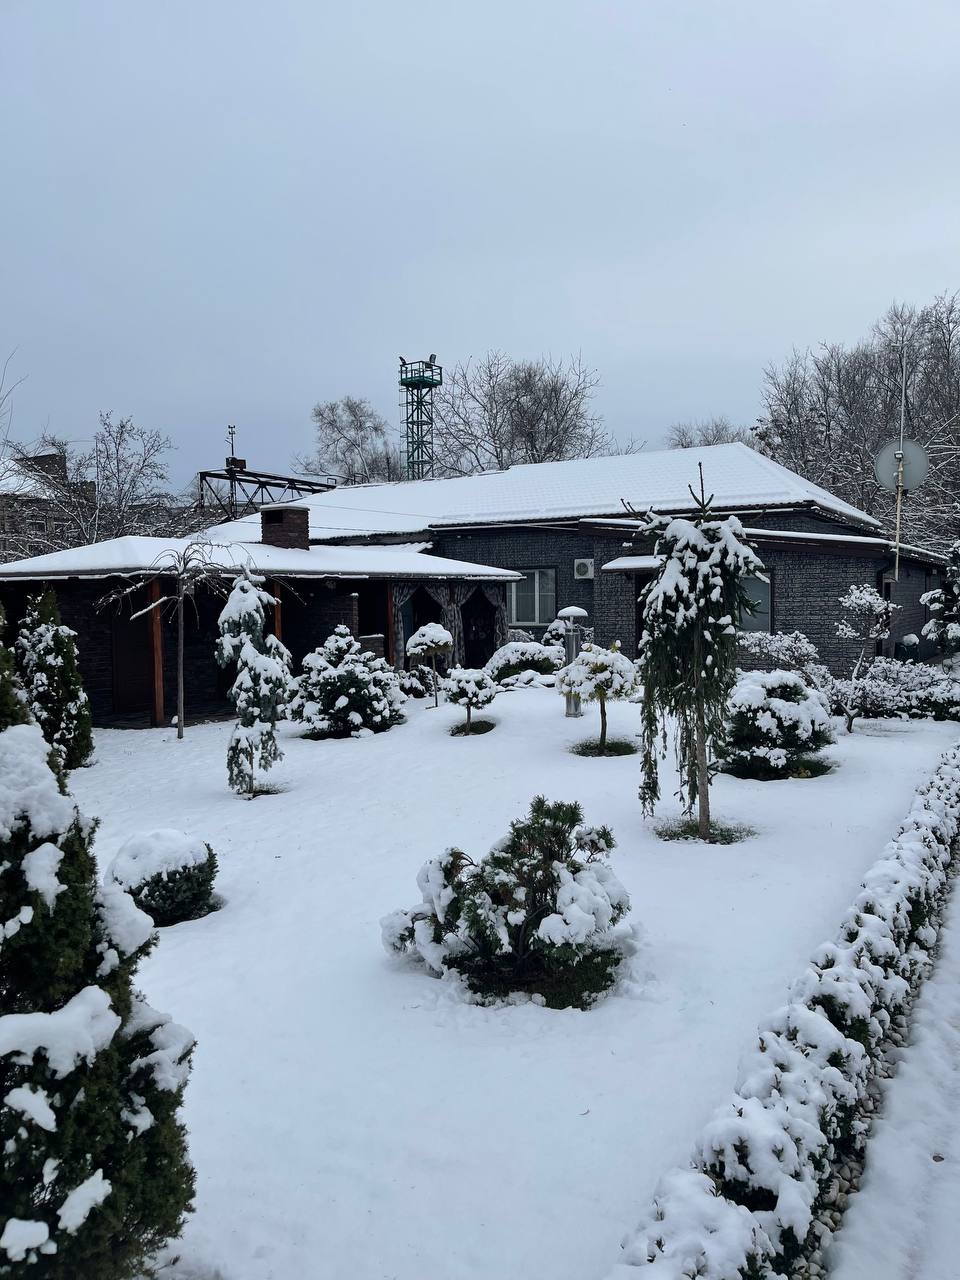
(115, 488)
(353, 441)
(827, 413)
(500, 412)
(700, 434)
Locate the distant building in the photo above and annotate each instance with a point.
(31, 518)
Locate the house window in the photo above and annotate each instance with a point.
(761, 594)
(533, 600)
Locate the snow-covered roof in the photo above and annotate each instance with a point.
(632, 564)
(130, 556)
(736, 475)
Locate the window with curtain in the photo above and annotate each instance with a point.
(533, 600)
(761, 594)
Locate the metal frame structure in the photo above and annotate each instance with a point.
(247, 491)
(418, 379)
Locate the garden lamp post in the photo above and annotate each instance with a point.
(572, 618)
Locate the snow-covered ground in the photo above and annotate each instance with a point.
(904, 1224)
(348, 1116)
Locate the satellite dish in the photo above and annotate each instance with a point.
(916, 465)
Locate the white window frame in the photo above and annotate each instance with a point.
(512, 599)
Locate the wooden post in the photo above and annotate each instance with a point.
(388, 638)
(157, 717)
(277, 611)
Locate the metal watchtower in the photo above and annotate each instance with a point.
(418, 378)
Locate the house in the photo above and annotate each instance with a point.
(566, 528)
(128, 650)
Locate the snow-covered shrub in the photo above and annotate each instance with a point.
(889, 688)
(774, 722)
(538, 914)
(943, 625)
(47, 661)
(94, 1176)
(768, 1160)
(346, 692)
(514, 663)
(517, 635)
(600, 675)
(785, 651)
(427, 644)
(555, 634)
(262, 688)
(470, 688)
(168, 873)
(418, 682)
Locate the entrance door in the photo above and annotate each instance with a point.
(132, 667)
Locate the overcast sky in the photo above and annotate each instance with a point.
(219, 211)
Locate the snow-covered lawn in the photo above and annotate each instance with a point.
(348, 1116)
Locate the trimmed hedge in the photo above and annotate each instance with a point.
(765, 1185)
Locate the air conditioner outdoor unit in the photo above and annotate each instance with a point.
(583, 568)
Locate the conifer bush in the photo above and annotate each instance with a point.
(262, 688)
(168, 873)
(345, 692)
(776, 725)
(600, 675)
(943, 604)
(540, 914)
(95, 1176)
(427, 644)
(47, 661)
(472, 689)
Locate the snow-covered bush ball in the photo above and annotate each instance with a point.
(345, 692)
(556, 633)
(418, 682)
(427, 644)
(168, 873)
(515, 663)
(775, 722)
(539, 914)
(517, 635)
(470, 688)
(600, 675)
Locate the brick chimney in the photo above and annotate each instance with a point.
(285, 526)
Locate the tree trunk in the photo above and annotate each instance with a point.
(436, 691)
(180, 603)
(469, 730)
(703, 778)
(603, 722)
(851, 707)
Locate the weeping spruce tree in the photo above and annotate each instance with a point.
(688, 644)
(94, 1175)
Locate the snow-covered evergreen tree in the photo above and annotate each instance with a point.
(867, 618)
(94, 1177)
(943, 625)
(47, 660)
(427, 644)
(539, 913)
(262, 689)
(688, 643)
(470, 688)
(346, 692)
(775, 722)
(600, 675)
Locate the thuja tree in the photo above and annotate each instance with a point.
(95, 1175)
(600, 675)
(46, 655)
(943, 626)
(262, 688)
(688, 644)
